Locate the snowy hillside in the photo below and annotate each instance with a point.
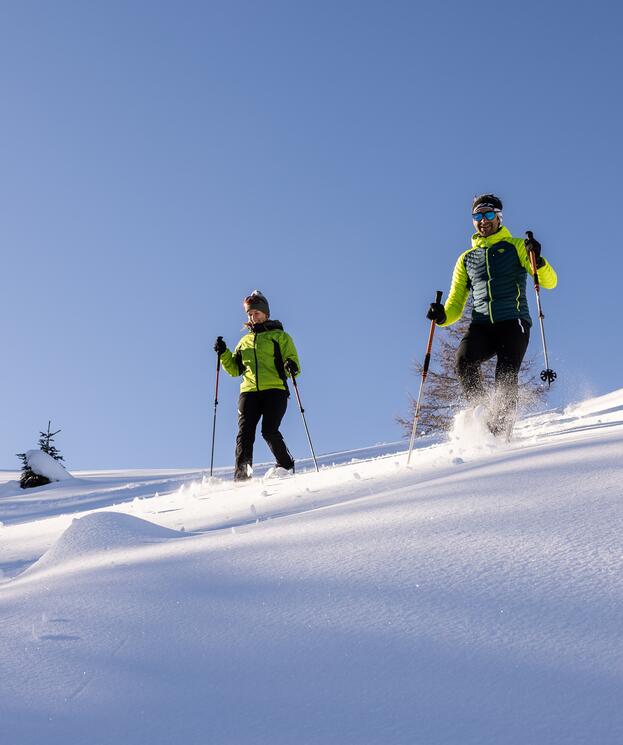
(472, 598)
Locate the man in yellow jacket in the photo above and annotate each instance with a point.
(494, 271)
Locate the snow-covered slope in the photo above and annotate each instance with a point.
(473, 597)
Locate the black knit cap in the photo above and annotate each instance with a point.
(486, 201)
(256, 301)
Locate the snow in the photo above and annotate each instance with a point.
(474, 597)
(470, 430)
(97, 532)
(44, 465)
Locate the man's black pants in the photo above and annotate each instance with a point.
(270, 406)
(509, 341)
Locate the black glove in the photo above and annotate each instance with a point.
(532, 245)
(291, 367)
(219, 345)
(436, 313)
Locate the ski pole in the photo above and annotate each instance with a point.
(429, 347)
(302, 410)
(548, 375)
(218, 370)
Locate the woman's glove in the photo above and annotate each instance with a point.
(220, 346)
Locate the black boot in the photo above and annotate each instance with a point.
(243, 472)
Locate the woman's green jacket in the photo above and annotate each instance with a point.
(260, 357)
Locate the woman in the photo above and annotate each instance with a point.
(265, 357)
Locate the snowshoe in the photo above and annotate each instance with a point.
(277, 472)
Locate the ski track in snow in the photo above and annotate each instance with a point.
(474, 597)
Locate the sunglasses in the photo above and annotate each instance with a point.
(478, 216)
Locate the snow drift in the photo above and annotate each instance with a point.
(101, 532)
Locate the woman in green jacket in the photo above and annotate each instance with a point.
(265, 357)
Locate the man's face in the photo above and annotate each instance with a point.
(489, 222)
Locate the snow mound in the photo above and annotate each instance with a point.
(10, 489)
(102, 531)
(44, 465)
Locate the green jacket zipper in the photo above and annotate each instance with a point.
(257, 367)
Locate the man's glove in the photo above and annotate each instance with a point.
(436, 313)
(532, 245)
(219, 345)
(291, 367)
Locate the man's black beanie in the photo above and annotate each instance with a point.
(485, 201)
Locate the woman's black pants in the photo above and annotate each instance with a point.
(269, 406)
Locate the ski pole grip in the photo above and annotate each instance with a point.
(531, 257)
(429, 346)
(532, 260)
(218, 362)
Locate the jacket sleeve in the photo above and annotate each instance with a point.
(548, 278)
(288, 350)
(459, 292)
(230, 363)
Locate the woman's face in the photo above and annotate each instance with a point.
(256, 316)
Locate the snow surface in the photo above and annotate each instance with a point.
(474, 597)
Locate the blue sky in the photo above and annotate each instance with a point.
(160, 160)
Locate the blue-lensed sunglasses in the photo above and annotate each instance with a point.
(478, 216)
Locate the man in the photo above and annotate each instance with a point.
(494, 270)
(265, 357)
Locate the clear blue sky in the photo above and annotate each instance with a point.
(159, 160)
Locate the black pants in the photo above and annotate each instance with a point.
(270, 406)
(509, 341)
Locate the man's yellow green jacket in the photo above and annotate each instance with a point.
(494, 270)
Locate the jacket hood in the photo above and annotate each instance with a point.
(480, 241)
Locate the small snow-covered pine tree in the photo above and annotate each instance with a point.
(47, 445)
(29, 478)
